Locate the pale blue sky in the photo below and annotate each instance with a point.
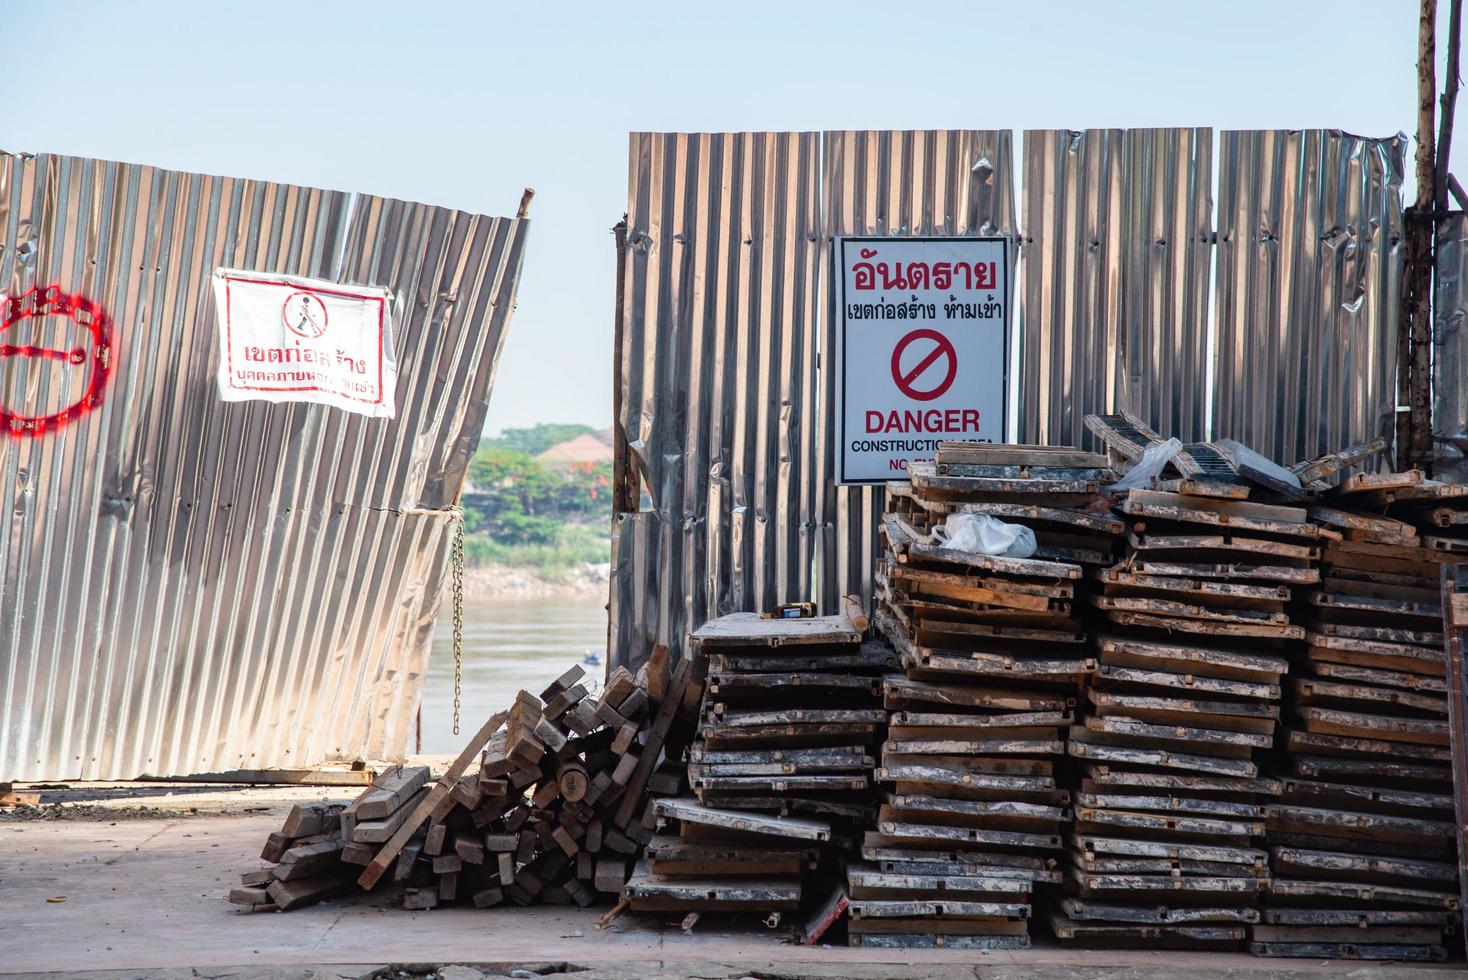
(462, 104)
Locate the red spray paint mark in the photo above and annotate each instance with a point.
(44, 301)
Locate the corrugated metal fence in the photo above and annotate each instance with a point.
(725, 388)
(1450, 351)
(1309, 289)
(1117, 238)
(191, 585)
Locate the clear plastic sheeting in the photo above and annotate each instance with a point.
(984, 534)
(1154, 460)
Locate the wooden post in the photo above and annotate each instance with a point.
(1414, 432)
(625, 490)
(1451, 83)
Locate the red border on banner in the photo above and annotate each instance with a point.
(229, 337)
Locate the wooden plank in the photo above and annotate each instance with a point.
(307, 819)
(1104, 820)
(1205, 661)
(271, 777)
(1333, 721)
(1141, 540)
(1248, 516)
(658, 732)
(389, 853)
(1329, 464)
(390, 791)
(688, 811)
(291, 894)
(1083, 910)
(751, 630)
(1350, 951)
(1094, 844)
(1031, 514)
(1233, 571)
(1081, 747)
(1312, 892)
(1018, 455)
(380, 831)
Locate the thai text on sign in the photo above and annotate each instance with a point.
(922, 349)
(292, 339)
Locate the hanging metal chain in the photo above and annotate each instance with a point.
(457, 561)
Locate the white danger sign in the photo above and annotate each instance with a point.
(290, 339)
(922, 334)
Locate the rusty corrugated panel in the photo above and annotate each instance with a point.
(1450, 351)
(1114, 262)
(721, 297)
(1309, 275)
(924, 182)
(189, 585)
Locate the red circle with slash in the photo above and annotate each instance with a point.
(46, 301)
(907, 381)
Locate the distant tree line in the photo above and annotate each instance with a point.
(518, 500)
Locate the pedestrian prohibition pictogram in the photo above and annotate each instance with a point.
(917, 381)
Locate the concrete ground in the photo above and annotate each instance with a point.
(131, 882)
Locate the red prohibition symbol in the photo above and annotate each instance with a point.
(907, 381)
(49, 301)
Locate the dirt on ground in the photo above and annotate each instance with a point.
(130, 880)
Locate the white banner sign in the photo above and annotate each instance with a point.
(922, 331)
(289, 339)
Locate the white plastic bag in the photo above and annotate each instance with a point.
(985, 535)
(1154, 460)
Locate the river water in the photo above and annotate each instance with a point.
(509, 645)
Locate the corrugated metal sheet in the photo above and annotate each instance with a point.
(1450, 351)
(188, 585)
(933, 182)
(1309, 281)
(723, 269)
(1117, 234)
(722, 285)
(725, 312)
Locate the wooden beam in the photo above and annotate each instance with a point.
(1414, 428)
(389, 853)
(1449, 100)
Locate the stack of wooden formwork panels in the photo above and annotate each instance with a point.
(780, 766)
(1168, 848)
(993, 656)
(1361, 841)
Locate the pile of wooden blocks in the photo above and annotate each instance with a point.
(556, 811)
(994, 653)
(1361, 841)
(305, 859)
(781, 763)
